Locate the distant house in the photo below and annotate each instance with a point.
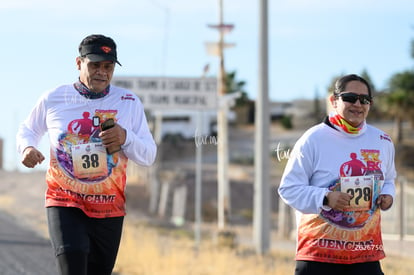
(303, 112)
(306, 112)
(278, 110)
(187, 123)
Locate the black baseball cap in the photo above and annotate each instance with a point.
(98, 48)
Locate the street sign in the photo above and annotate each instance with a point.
(160, 93)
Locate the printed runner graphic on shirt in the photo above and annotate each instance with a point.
(353, 235)
(80, 152)
(370, 165)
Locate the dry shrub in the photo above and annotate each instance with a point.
(151, 251)
(146, 251)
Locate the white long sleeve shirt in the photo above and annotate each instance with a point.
(319, 159)
(81, 174)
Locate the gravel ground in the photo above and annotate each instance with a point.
(25, 249)
(22, 250)
(22, 196)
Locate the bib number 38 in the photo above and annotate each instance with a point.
(89, 160)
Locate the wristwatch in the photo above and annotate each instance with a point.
(326, 200)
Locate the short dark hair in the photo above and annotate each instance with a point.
(341, 83)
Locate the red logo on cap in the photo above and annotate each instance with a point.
(106, 49)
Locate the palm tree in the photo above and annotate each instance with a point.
(400, 100)
(233, 86)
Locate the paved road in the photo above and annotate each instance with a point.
(22, 252)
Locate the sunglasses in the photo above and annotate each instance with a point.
(352, 98)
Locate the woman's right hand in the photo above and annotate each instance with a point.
(338, 200)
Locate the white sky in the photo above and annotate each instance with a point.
(309, 43)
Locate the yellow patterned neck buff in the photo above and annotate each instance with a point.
(341, 124)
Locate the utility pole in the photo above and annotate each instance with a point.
(223, 196)
(261, 217)
(223, 208)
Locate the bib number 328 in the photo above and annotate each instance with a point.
(360, 188)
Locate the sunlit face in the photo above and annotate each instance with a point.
(95, 75)
(353, 113)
